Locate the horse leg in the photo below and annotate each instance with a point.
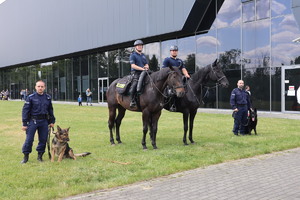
(111, 123)
(192, 117)
(153, 127)
(185, 126)
(118, 121)
(145, 128)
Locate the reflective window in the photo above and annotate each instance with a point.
(276, 89)
(124, 63)
(262, 9)
(248, 11)
(113, 65)
(187, 53)
(69, 80)
(284, 51)
(281, 7)
(206, 48)
(152, 52)
(228, 16)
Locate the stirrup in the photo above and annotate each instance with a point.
(173, 108)
(132, 104)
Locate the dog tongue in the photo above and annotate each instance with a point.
(253, 118)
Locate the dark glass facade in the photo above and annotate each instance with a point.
(252, 39)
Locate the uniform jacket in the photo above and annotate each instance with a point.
(239, 97)
(173, 62)
(37, 105)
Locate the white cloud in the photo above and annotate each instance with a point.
(208, 41)
(278, 8)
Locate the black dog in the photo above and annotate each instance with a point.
(252, 122)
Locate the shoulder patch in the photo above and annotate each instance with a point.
(48, 96)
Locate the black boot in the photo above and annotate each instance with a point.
(25, 159)
(40, 156)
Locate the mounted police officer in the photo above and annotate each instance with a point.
(139, 63)
(37, 114)
(173, 61)
(240, 102)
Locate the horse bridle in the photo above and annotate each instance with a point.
(218, 80)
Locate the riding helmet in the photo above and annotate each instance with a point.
(174, 48)
(138, 42)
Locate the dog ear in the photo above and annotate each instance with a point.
(68, 129)
(58, 128)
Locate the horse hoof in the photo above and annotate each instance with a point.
(185, 144)
(154, 148)
(120, 142)
(145, 149)
(113, 144)
(193, 142)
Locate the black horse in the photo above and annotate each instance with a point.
(189, 104)
(150, 102)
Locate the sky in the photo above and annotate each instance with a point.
(1, 1)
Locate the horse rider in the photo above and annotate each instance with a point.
(240, 102)
(173, 61)
(139, 63)
(37, 114)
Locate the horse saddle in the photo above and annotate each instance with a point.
(123, 85)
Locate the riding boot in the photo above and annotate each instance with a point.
(25, 159)
(132, 102)
(40, 156)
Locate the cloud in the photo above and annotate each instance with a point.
(278, 8)
(208, 41)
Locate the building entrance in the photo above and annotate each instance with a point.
(103, 84)
(290, 87)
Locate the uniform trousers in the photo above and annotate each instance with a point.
(40, 125)
(240, 120)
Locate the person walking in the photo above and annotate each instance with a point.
(139, 63)
(88, 96)
(37, 114)
(240, 102)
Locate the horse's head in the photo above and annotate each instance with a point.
(175, 81)
(216, 74)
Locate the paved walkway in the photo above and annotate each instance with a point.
(267, 177)
(273, 176)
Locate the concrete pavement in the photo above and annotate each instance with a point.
(273, 176)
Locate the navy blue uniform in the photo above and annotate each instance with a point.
(37, 113)
(138, 59)
(240, 99)
(173, 62)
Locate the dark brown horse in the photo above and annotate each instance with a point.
(189, 104)
(150, 102)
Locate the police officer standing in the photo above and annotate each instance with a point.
(173, 61)
(240, 102)
(139, 63)
(37, 114)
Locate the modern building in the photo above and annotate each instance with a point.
(74, 44)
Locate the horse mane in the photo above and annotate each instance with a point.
(203, 71)
(161, 74)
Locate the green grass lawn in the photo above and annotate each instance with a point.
(110, 166)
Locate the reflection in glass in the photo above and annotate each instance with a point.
(206, 45)
(152, 52)
(248, 11)
(228, 16)
(276, 89)
(262, 9)
(281, 7)
(186, 53)
(284, 51)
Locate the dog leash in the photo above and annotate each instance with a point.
(48, 140)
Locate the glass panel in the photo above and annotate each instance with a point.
(291, 100)
(262, 9)
(187, 53)
(206, 45)
(284, 51)
(248, 11)
(152, 52)
(102, 64)
(124, 55)
(281, 7)
(62, 80)
(229, 54)
(228, 16)
(113, 65)
(276, 89)
(93, 62)
(76, 77)
(69, 81)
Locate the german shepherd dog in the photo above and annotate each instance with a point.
(252, 122)
(61, 148)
